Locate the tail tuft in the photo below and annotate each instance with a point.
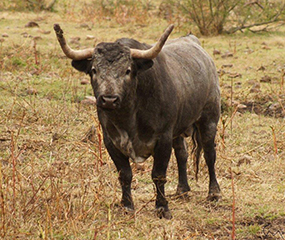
(196, 150)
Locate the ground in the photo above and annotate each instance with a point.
(56, 178)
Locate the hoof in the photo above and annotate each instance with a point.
(128, 210)
(182, 191)
(182, 194)
(214, 197)
(163, 213)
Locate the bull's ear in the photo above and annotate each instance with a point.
(82, 65)
(143, 64)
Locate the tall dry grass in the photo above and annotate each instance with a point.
(58, 182)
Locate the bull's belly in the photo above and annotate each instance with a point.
(139, 159)
(138, 151)
(135, 149)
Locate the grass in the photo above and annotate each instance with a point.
(55, 186)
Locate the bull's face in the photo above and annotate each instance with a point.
(113, 74)
(113, 67)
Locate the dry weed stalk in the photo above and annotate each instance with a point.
(100, 144)
(233, 206)
(2, 203)
(225, 122)
(12, 148)
(274, 142)
(282, 80)
(33, 200)
(35, 53)
(282, 107)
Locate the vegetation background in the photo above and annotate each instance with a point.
(56, 178)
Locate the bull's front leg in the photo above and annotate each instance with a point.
(162, 154)
(125, 173)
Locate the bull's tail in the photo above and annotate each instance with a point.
(196, 150)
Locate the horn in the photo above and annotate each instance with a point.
(69, 52)
(155, 50)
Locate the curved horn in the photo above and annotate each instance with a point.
(155, 50)
(69, 52)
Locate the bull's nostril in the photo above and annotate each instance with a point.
(109, 101)
(116, 99)
(103, 99)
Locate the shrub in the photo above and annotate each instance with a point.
(228, 16)
(28, 5)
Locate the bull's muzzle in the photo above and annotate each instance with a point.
(108, 102)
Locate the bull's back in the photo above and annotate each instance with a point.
(195, 79)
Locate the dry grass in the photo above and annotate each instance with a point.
(55, 186)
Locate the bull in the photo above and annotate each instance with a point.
(149, 99)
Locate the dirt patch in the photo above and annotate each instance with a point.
(272, 109)
(270, 228)
(266, 106)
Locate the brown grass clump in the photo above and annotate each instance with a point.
(57, 180)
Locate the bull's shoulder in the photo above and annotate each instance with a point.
(189, 39)
(190, 50)
(132, 43)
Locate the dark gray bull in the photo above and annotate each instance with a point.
(148, 100)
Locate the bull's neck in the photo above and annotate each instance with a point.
(123, 117)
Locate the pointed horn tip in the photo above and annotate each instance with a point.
(57, 29)
(170, 28)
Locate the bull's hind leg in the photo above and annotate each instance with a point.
(181, 154)
(207, 132)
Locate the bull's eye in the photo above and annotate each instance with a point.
(128, 71)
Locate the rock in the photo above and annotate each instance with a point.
(216, 52)
(74, 40)
(90, 37)
(89, 100)
(266, 47)
(227, 65)
(85, 81)
(274, 106)
(261, 68)
(5, 35)
(249, 51)
(38, 38)
(252, 82)
(241, 106)
(84, 25)
(31, 91)
(255, 88)
(31, 24)
(234, 75)
(265, 79)
(227, 54)
(90, 135)
(55, 137)
(246, 159)
(43, 31)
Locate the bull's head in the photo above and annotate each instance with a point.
(113, 67)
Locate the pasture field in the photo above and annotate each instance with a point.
(56, 178)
